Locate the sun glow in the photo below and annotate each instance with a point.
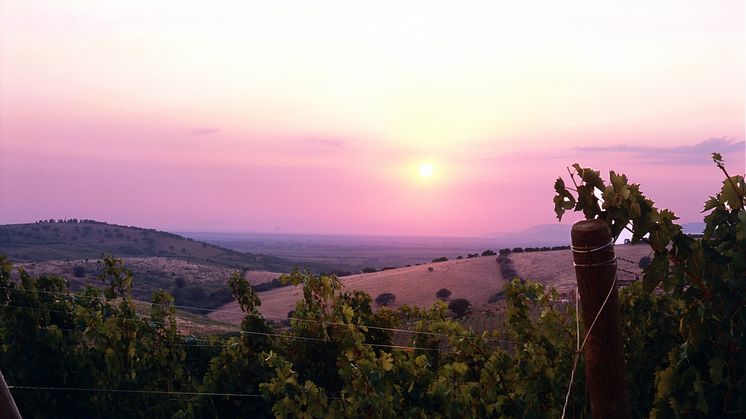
(426, 170)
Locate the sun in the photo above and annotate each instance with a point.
(426, 170)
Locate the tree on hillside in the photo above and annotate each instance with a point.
(443, 294)
(79, 271)
(644, 262)
(459, 306)
(385, 299)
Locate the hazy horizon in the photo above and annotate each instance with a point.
(330, 117)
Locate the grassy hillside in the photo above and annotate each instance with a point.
(555, 268)
(89, 240)
(191, 283)
(191, 323)
(475, 279)
(194, 272)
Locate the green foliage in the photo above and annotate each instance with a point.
(51, 337)
(245, 296)
(702, 287)
(337, 359)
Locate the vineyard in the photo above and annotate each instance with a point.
(95, 353)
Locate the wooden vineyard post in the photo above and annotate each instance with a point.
(595, 269)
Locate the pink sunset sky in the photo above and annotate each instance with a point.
(316, 116)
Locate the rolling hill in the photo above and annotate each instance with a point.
(556, 269)
(194, 272)
(538, 235)
(475, 279)
(44, 241)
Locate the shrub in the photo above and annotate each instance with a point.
(459, 306)
(385, 299)
(268, 285)
(79, 271)
(507, 270)
(440, 259)
(498, 296)
(559, 248)
(219, 297)
(488, 252)
(443, 293)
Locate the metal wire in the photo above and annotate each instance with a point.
(248, 332)
(588, 249)
(324, 322)
(609, 262)
(581, 346)
(112, 390)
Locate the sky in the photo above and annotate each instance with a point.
(319, 117)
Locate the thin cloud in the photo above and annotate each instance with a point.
(687, 154)
(328, 142)
(205, 131)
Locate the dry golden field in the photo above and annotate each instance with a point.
(555, 268)
(474, 279)
(258, 277)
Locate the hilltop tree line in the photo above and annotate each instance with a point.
(69, 221)
(94, 354)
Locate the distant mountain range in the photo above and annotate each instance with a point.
(88, 239)
(538, 235)
(559, 234)
(693, 228)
